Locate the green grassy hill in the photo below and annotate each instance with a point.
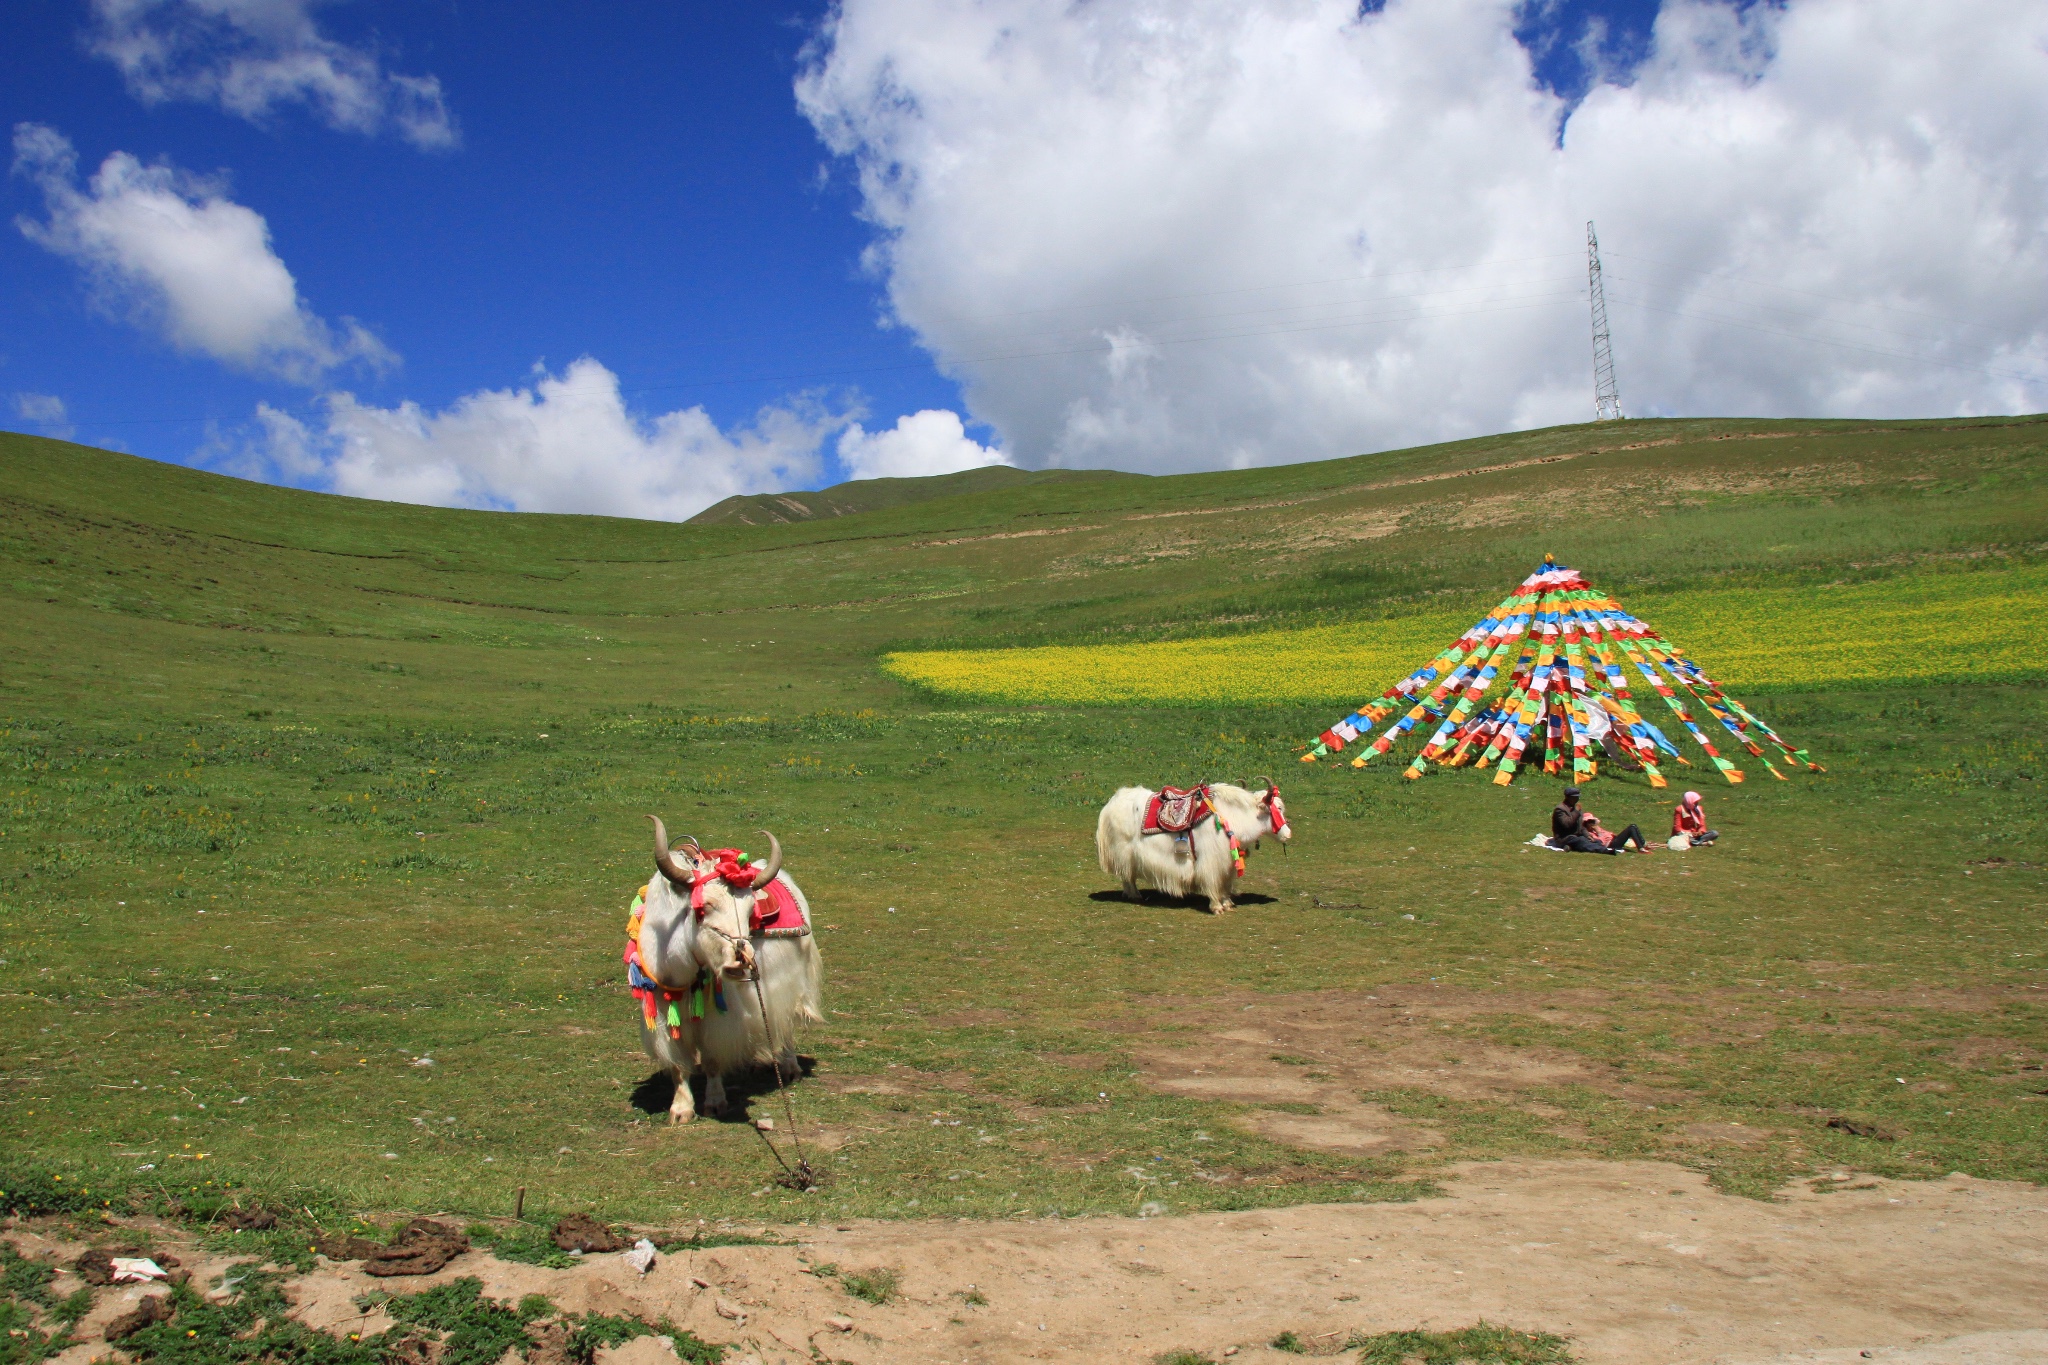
(873, 495)
(284, 774)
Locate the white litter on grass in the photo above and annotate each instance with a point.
(424, 1061)
(641, 1257)
(135, 1269)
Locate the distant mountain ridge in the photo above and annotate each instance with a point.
(872, 495)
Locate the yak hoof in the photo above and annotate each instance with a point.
(1133, 894)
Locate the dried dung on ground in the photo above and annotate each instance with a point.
(249, 1220)
(421, 1248)
(337, 1246)
(145, 1314)
(581, 1232)
(95, 1267)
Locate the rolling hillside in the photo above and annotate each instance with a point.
(129, 560)
(872, 495)
(296, 790)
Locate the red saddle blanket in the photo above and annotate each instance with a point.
(776, 912)
(1173, 811)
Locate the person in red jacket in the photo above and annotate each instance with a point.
(1689, 818)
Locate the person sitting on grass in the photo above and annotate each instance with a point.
(1568, 826)
(1609, 841)
(1569, 829)
(1689, 818)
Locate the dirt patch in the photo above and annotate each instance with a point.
(1313, 1054)
(1633, 1261)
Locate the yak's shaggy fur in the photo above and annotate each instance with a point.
(675, 945)
(1197, 863)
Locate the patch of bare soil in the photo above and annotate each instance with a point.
(1634, 1261)
(1307, 1056)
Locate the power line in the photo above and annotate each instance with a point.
(1792, 309)
(1830, 341)
(1811, 294)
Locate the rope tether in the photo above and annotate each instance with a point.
(799, 1176)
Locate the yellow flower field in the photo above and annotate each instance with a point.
(1961, 627)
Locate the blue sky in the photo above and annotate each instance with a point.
(632, 182)
(683, 194)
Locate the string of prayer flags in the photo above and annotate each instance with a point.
(1564, 703)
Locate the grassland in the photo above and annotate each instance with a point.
(297, 791)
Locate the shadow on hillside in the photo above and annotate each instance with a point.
(654, 1094)
(1183, 902)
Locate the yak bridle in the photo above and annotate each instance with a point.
(1276, 811)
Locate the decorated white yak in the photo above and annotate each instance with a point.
(1186, 843)
(713, 942)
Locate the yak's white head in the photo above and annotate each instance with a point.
(1272, 811)
(721, 907)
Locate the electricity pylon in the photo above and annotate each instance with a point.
(1606, 394)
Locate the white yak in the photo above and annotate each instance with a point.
(679, 944)
(1197, 862)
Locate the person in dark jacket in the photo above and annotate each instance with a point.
(1568, 828)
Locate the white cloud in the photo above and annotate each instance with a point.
(566, 443)
(175, 254)
(929, 442)
(250, 56)
(1167, 234)
(47, 411)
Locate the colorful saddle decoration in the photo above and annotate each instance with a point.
(1557, 644)
(1173, 811)
(1177, 812)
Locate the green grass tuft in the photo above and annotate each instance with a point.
(1483, 1344)
(876, 1286)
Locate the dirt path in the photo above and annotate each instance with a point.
(1636, 1262)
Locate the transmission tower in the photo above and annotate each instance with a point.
(1606, 394)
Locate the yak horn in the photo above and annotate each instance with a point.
(665, 859)
(766, 873)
